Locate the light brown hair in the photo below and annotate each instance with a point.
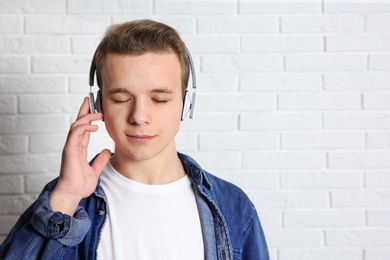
(138, 37)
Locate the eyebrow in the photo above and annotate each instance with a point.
(125, 91)
(117, 90)
(161, 90)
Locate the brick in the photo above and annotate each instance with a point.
(33, 45)
(269, 7)
(376, 253)
(7, 222)
(358, 237)
(296, 199)
(211, 122)
(11, 24)
(80, 84)
(377, 179)
(36, 182)
(252, 180)
(322, 23)
(12, 144)
(66, 24)
(322, 140)
(236, 102)
(282, 43)
(331, 6)
(280, 82)
(238, 141)
(360, 198)
(218, 82)
(378, 218)
(357, 81)
(270, 218)
(109, 7)
(282, 160)
(32, 84)
(60, 64)
(280, 121)
(326, 62)
(378, 23)
(378, 140)
(356, 121)
(297, 238)
(319, 101)
(321, 254)
(11, 185)
(242, 63)
(40, 163)
(359, 159)
(320, 179)
(13, 65)
(195, 7)
(49, 143)
(324, 218)
(15, 205)
(84, 44)
(185, 25)
(30, 6)
(212, 161)
(32, 124)
(213, 44)
(7, 105)
(379, 62)
(357, 42)
(50, 104)
(376, 101)
(238, 24)
(186, 141)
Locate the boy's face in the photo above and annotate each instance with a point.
(142, 103)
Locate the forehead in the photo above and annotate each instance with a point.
(152, 60)
(147, 69)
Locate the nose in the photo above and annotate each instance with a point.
(139, 113)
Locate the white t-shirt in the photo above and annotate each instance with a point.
(149, 221)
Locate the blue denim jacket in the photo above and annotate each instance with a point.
(230, 224)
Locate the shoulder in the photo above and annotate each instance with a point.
(227, 193)
(228, 197)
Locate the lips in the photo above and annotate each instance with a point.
(140, 138)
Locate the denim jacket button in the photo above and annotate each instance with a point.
(101, 212)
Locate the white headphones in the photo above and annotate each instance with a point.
(188, 100)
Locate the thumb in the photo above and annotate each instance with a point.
(101, 160)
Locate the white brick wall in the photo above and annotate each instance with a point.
(293, 106)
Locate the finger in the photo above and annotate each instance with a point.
(101, 160)
(76, 134)
(84, 108)
(87, 119)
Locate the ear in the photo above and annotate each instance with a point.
(186, 105)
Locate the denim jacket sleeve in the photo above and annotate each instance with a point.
(42, 233)
(254, 245)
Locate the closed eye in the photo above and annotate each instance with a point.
(117, 101)
(160, 100)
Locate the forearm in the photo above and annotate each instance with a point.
(41, 231)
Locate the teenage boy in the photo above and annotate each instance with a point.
(146, 200)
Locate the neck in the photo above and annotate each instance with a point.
(161, 169)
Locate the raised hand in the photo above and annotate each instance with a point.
(77, 178)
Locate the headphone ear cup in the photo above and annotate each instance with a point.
(98, 103)
(186, 106)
